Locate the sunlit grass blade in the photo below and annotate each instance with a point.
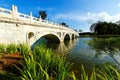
(72, 75)
(93, 76)
(116, 71)
(2, 48)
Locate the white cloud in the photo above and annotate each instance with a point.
(90, 17)
(119, 5)
(70, 17)
(46, 9)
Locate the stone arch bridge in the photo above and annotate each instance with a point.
(16, 27)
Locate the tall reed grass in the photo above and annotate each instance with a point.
(13, 48)
(2, 48)
(43, 64)
(107, 72)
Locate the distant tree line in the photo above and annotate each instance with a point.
(105, 28)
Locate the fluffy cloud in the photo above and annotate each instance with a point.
(47, 9)
(119, 5)
(90, 17)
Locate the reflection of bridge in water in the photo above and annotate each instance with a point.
(64, 48)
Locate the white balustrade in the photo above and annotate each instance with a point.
(15, 15)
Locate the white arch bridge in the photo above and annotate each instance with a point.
(16, 27)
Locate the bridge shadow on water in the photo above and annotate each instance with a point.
(58, 47)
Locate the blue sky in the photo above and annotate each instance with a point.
(78, 14)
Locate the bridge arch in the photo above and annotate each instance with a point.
(51, 36)
(66, 37)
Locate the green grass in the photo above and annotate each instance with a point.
(12, 48)
(42, 64)
(2, 48)
(8, 76)
(107, 72)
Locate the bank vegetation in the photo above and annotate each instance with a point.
(43, 64)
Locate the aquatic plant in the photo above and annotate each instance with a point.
(43, 64)
(24, 49)
(2, 48)
(107, 72)
(11, 48)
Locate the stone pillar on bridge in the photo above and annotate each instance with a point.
(70, 36)
(30, 16)
(62, 36)
(14, 12)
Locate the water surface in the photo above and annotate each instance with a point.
(89, 51)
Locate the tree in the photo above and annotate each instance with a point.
(42, 14)
(92, 27)
(80, 31)
(103, 28)
(75, 30)
(64, 24)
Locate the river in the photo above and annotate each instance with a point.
(89, 51)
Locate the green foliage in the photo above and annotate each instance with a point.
(43, 14)
(109, 72)
(101, 28)
(84, 75)
(24, 49)
(8, 76)
(2, 48)
(12, 48)
(43, 64)
(64, 24)
(72, 75)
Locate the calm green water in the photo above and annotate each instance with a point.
(89, 51)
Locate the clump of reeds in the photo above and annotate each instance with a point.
(2, 48)
(43, 64)
(108, 72)
(13, 48)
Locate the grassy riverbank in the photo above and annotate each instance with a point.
(43, 64)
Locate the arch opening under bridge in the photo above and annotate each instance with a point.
(48, 36)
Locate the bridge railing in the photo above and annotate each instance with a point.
(15, 15)
(5, 13)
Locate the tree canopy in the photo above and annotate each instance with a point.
(101, 28)
(42, 14)
(64, 24)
